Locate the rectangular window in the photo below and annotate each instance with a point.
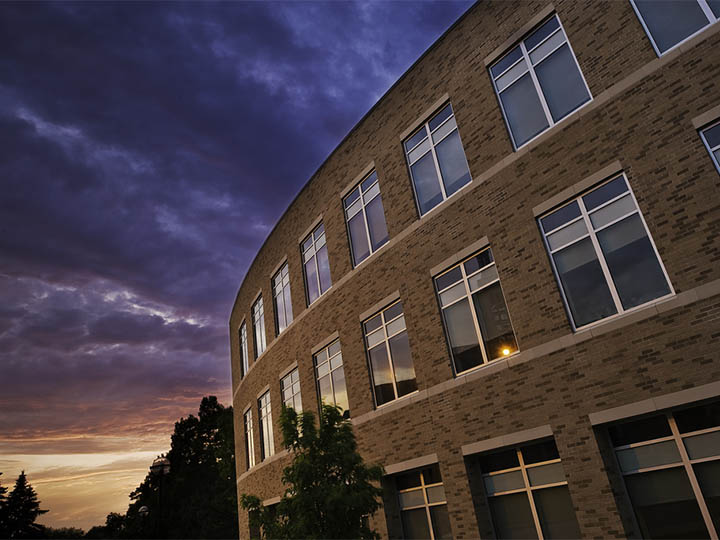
(267, 443)
(365, 219)
(423, 507)
(671, 22)
(258, 319)
(244, 350)
(281, 299)
(388, 349)
(711, 138)
(527, 493)
(603, 255)
(539, 82)
(671, 467)
(290, 388)
(330, 376)
(316, 264)
(249, 443)
(437, 160)
(476, 318)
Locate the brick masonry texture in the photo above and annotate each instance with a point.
(641, 115)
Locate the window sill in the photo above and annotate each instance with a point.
(619, 318)
(551, 129)
(276, 456)
(466, 188)
(396, 400)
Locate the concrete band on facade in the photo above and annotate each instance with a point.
(563, 384)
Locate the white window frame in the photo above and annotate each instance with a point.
(433, 144)
(258, 320)
(287, 383)
(713, 149)
(311, 253)
(249, 442)
(536, 83)
(426, 504)
(363, 203)
(316, 367)
(280, 282)
(245, 357)
(592, 234)
(712, 19)
(267, 440)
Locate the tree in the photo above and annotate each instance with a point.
(330, 491)
(23, 508)
(4, 527)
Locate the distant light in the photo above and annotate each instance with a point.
(506, 352)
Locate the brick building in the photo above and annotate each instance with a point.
(508, 272)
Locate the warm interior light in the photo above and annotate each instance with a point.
(506, 352)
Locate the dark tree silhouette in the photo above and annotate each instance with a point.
(23, 508)
(4, 527)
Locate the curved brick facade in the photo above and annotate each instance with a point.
(564, 384)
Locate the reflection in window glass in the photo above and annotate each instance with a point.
(711, 138)
(267, 442)
(244, 350)
(290, 390)
(281, 299)
(249, 443)
(316, 264)
(258, 318)
(423, 507)
(365, 219)
(330, 376)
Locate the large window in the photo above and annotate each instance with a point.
(671, 467)
(244, 350)
(249, 443)
(539, 82)
(437, 160)
(711, 138)
(476, 317)
(603, 255)
(267, 442)
(258, 319)
(281, 299)
(423, 507)
(316, 265)
(391, 364)
(330, 376)
(527, 493)
(365, 219)
(290, 389)
(670, 22)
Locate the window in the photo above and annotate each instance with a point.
(388, 348)
(290, 388)
(437, 160)
(527, 493)
(281, 299)
(267, 443)
(423, 507)
(670, 22)
(244, 350)
(603, 255)
(316, 264)
(671, 467)
(258, 317)
(331, 376)
(539, 82)
(365, 219)
(476, 317)
(249, 443)
(711, 138)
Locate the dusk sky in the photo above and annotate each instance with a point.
(146, 151)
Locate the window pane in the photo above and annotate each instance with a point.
(373, 324)
(546, 474)
(381, 374)
(376, 223)
(708, 476)
(341, 399)
(556, 513)
(440, 117)
(646, 429)
(696, 418)
(403, 364)
(446, 128)
(499, 461)
(541, 33)
(604, 193)
(369, 181)
(523, 110)
(512, 517)
(324, 269)
(358, 238)
(427, 186)
(415, 139)
(481, 279)
(478, 261)
(463, 338)
(567, 234)
(494, 322)
(632, 262)
(352, 197)
(393, 311)
(715, 7)
(511, 75)
(436, 494)
(561, 83)
(509, 59)
(561, 216)
(504, 482)
(702, 446)
(440, 522)
(415, 524)
(453, 165)
(311, 281)
(548, 46)
(452, 294)
(447, 279)
(665, 505)
(539, 452)
(671, 21)
(326, 390)
(613, 211)
(412, 498)
(288, 305)
(280, 312)
(431, 474)
(712, 135)
(583, 281)
(407, 481)
(640, 457)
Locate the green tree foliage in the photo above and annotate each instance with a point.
(22, 508)
(330, 491)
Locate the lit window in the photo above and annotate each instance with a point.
(258, 319)
(527, 493)
(281, 299)
(423, 507)
(249, 444)
(539, 82)
(670, 22)
(330, 376)
(316, 264)
(388, 348)
(244, 350)
(365, 219)
(711, 138)
(671, 467)
(437, 160)
(603, 255)
(476, 317)
(290, 388)
(267, 443)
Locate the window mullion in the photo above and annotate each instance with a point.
(473, 314)
(707, 11)
(390, 360)
(528, 492)
(367, 225)
(538, 88)
(436, 163)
